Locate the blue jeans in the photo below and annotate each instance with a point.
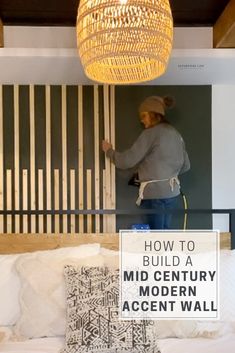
(159, 221)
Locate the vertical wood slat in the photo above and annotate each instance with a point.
(25, 199)
(89, 200)
(1, 161)
(104, 202)
(107, 160)
(96, 154)
(1, 34)
(57, 199)
(16, 157)
(72, 201)
(32, 156)
(9, 199)
(80, 159)
(40, 201)
(48, 156)
(64, 158)
(107, 196)
(113, 171)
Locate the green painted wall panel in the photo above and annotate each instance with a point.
(192, 117)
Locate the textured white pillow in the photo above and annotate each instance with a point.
(194, 328)
(162, 328)
(187, 329)
(208, 329)
(5, 334)
(92, 313)
(111, 257)
(174, 328)
(9, 290)
(42, 295)
(227, 285)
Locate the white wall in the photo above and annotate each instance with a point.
(65, 37)
(43, 55)
(193, 38)
(223, 151)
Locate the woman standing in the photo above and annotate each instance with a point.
(159, 156)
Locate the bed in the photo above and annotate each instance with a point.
(171, 345)
(206, 339)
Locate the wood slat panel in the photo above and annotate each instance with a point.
(89, 199)
(16, 157)
(225, 240)
(48, 156)
(32, 156)
(36, 176)
(104, 202)
(80, 158)
(72, 201)
(109, 135)
(113, 170)
(19, 243)
(1, 160)
(107, 176)
(9, 199)
(57, 199)
(64, 158)
(25, 199)
(97, 159)
(40, 201)
(1, 34)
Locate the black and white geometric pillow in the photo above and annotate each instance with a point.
(92, 315)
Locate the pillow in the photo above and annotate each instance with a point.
(5, 334)
(227, 285)
(92, 315)
(162, 328)
(208, 329)
(188, 329)
(42, 294)
(194, 328)
(111, 257)
(9, 290)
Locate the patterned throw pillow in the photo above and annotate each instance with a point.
(92, 315)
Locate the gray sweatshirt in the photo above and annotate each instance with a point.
(158, 153)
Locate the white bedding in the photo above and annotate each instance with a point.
(37, 345)
(172, 345)
(224, 344)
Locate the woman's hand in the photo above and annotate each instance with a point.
(106, 146)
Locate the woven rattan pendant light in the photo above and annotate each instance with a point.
(124, 41)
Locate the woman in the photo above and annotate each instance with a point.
(159, 155)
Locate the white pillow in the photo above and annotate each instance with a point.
(174, 328)
(194, 328)
(227, 285)
(5, 334)
(187, 329)
(42, 295)
(111, 257)
(9, 290)
(208, 329)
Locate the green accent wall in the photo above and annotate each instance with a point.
(192, 117)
